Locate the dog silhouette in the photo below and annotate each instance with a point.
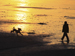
(17, 31)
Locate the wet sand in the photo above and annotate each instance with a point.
(32, 45)
(11, 40)
(63, 52)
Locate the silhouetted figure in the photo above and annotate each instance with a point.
(17, 31)
(65, 30)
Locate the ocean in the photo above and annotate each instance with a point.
(27, 14)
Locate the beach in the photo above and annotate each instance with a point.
(32, 45)
(41, 23)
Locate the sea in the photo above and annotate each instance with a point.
(30, 14)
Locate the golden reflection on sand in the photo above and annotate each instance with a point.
(22, 26)
(21, 17)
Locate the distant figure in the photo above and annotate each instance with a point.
(65, 30)
(17, 31)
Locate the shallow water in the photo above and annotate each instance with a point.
(27, 14)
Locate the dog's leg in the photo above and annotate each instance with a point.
(17, 34)
(21, 33)
(12, 31)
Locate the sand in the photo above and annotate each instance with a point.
(32, 45)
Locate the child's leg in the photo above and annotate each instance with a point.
(63, 36)
(67, 37)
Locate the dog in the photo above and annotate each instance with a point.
(17, 31)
